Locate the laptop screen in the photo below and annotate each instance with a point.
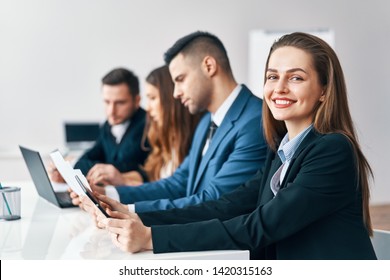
(41, 179)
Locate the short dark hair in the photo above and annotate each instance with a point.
(199, 43)
(121, 75)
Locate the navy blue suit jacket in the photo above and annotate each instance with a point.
(126, 156)
(237, 151)
(317, 213)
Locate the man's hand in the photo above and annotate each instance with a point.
(54, 175)
(106, 203)
(98, 189)
(75, 198)
(128, 232)
(90, 208)
(104, 174)
(112, 204)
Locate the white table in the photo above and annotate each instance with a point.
(48, 232)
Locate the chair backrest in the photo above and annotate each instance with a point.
(381, 242)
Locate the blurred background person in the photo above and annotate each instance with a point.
(169, 131)
(119, 142)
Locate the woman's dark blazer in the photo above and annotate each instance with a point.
(317, 213)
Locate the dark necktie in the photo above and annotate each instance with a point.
(213, 127)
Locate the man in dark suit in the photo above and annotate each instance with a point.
(119, 143)
(204, 81)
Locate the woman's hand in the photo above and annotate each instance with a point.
(128, 232)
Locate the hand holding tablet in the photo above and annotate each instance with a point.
(90, 195)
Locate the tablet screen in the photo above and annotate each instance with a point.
(92, 197)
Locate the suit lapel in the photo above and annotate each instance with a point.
(266, 194)
(197, 146)
(204, 161)
(309, 139)
(112, 146)
(115, 147)
(227, 124)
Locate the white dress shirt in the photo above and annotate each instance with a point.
(119, 130)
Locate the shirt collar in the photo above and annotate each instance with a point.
(119, 130)
(288, 147)
(220, 114)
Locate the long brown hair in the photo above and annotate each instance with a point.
(332, 115)
(171, 141)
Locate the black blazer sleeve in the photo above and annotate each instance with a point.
(240, 201)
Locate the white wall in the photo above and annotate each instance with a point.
(53, 54)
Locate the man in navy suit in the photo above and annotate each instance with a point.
(203, 79)
(119, 143)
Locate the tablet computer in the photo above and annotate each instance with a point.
(91, 197)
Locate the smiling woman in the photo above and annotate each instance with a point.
(292, 89)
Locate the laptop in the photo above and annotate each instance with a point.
(41, 180)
